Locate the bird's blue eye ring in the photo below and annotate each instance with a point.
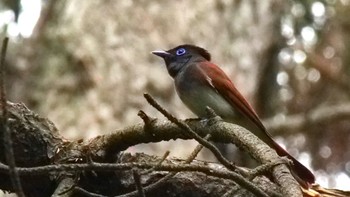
(180, 51)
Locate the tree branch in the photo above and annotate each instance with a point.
(38, 143)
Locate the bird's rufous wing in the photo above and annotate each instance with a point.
(223, 85)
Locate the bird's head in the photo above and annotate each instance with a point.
(181, 56)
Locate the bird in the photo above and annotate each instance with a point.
(200, 84)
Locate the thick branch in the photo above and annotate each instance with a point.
(221, 132)
(38, 143)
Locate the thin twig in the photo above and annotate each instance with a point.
(87, 193)
(147, 120)
(162, 159)
(138, 184)
(7, 138)
(263, 168)
(196, 151)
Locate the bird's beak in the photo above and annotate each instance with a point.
(162, 54)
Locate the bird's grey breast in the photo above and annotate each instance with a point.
(197, 93)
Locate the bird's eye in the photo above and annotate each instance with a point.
(180, 51)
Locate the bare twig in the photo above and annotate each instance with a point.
(87, 193)
(146, 119)
(138, 184)
(263, 168)
(7, 139)
(162, 159)
(196, 151)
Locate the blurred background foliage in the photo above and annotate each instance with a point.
(86, 64)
